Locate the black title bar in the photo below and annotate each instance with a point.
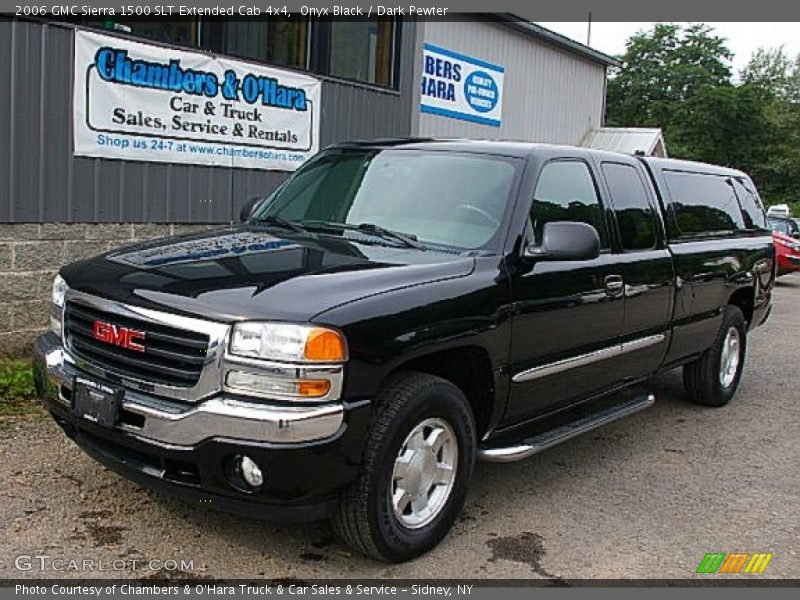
(567, 10)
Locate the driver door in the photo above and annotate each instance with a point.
(567, 314)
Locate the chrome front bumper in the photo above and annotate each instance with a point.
(179, 424)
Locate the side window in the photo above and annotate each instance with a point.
(565, 192)
(703, 203)
(752, 210)
(635, 216)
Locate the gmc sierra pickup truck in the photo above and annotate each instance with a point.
(396, 310)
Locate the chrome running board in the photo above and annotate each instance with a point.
(546, 440)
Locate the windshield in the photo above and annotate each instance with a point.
(448, 199)
(784, 226)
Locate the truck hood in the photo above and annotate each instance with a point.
(256, 272)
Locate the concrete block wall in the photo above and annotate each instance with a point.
(32, 253)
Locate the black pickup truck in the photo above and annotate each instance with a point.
(396, 310)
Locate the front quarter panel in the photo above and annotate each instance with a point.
(384, 331)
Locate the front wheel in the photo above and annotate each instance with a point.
(712, 379)
(416, 467)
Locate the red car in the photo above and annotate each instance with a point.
(788, 251)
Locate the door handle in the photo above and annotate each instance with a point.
(614, 284)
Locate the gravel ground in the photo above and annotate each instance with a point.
(645, 497)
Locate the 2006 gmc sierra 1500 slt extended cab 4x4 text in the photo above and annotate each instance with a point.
(397, 309)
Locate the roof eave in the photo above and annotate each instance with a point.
(551, 37)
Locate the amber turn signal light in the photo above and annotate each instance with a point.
(325, 345)
(313, 388)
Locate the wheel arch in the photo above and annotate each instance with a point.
(467, 367)
(744, 299)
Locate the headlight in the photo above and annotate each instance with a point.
(57, 307)
(288, 342)
(59, 290)
(305, 361)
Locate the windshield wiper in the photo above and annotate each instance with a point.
(406, 239)
(281, 222)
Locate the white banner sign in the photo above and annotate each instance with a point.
(137, 101)
(461, 87)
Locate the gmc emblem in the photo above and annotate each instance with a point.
(119, 336)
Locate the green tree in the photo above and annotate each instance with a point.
(777, 168)
(663, 68)
(723, 125)
(773, 70)
(679, 78)
(768, 68)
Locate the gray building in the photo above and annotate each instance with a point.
(492, 77)
(554, 88)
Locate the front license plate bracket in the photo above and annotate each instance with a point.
(97, 401)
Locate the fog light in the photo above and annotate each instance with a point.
(251, 472)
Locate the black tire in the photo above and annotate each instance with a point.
(701, 377)
(364, 517)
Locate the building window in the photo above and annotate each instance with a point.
(179, 32)
(276, 41)
(362, 50)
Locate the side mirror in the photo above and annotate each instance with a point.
(566, 240)
(248, 207)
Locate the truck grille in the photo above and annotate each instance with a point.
(171, 356)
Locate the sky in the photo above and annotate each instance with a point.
(743, 38)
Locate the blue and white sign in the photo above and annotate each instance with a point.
(461, 87)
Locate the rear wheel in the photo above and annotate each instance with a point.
(417, 464)
(712, 379)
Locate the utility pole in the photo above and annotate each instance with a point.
(589, 31)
